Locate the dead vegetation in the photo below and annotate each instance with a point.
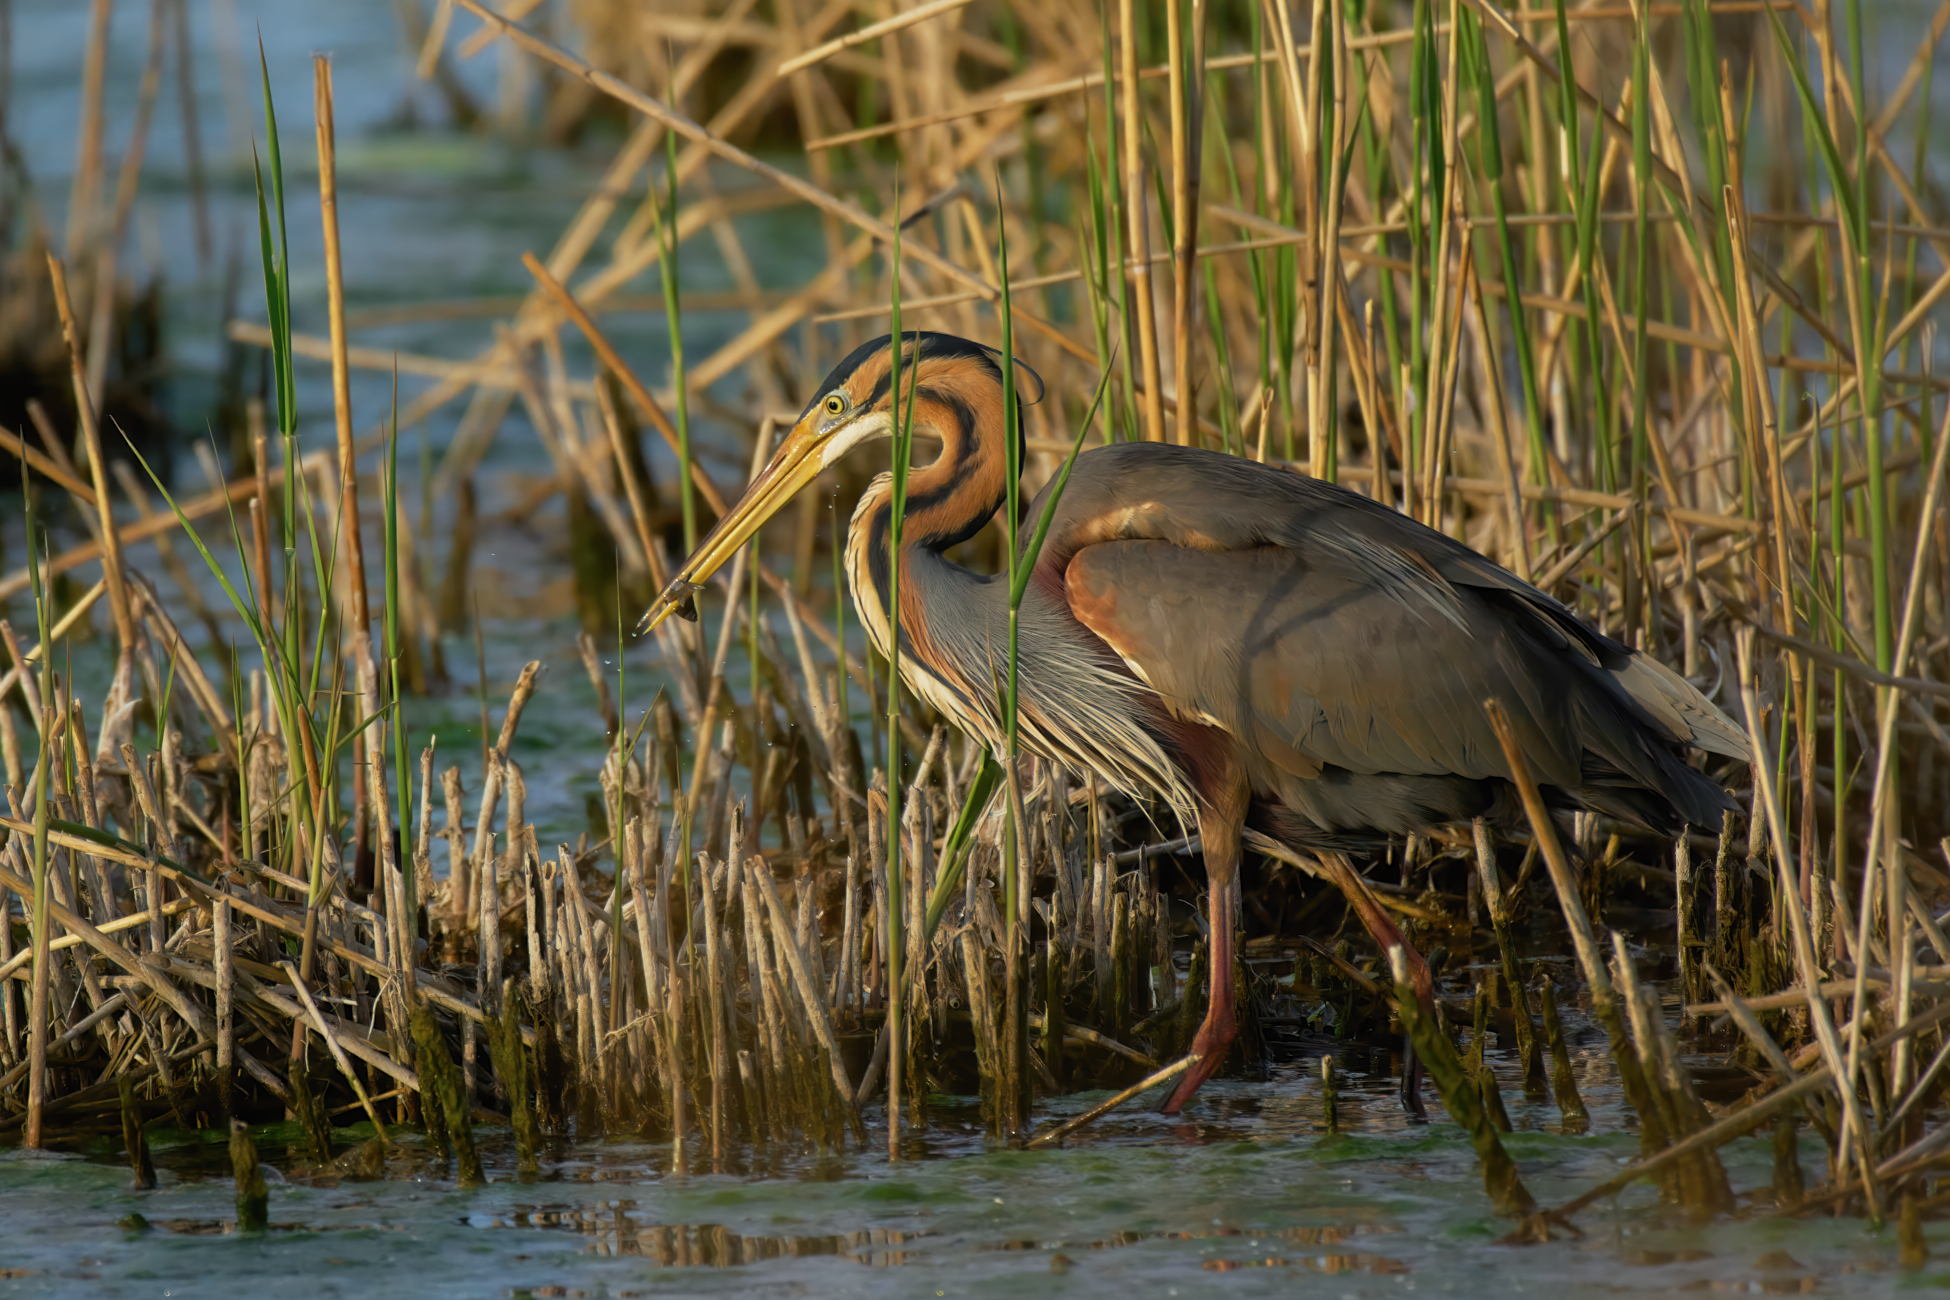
(1637, 299)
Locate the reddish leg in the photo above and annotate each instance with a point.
(1220, 1027)
(1218, 824)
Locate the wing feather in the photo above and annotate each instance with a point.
(1327, 630)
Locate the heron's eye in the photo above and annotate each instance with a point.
(835, 404)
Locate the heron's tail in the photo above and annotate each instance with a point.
(1678, 705)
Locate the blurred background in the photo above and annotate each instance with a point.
(128, 130)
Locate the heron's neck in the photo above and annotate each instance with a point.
(946, 612)
(948, 501)
(931, 585)
(953, 496)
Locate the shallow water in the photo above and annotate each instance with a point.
(1244, 1195)
(425, 215)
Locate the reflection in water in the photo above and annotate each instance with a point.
(1330, 1264)
(612, 1231)
(228, 1227)
(700, 1245)
(1329, 1261)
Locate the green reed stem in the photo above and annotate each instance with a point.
(1262, 125)
(1424, 220)
(1851, 193)
(1019, 581)
(276, 257)
(1094, 237)
(1869, 352)
(1489, 146)
(1376, 152)
(1642, 268)
(955, 848)
(666, 220)
(903, 452)
(1215, 319)
(841, 702)
(1924, 426)
(293, 687)
(1107, 207)
(1011, 513)
(39, 1012)
(1581, 170)
(1702, 64)
(402, 785)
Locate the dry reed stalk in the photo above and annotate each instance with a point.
(715, 991)
(146, 973)
(1499, 433)
(9, 1009)
(849, 991)
(337, 1048)
(1492, 886)
(767, 1005)
(584, 986)
(60, 472)
(677, 122)
(1706, 1191)
(674, 1039)
(1604, 1000)
(1804, 952)
(652, 965)
(16, 674)
(486, 902)
(260, 908)
(1163, 1076)
(1564, 1084)
(107, 241)
(1186, 96)
(1023, 96)
(871, 32)
(88, 164)
(1882, 843)
(1102, 877)
(347, 519)
(583, 462)
(114, 565)
(1622, 555)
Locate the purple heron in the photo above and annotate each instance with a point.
(1258, 648)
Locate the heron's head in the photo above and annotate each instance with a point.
(855, 405)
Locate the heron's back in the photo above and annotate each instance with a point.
(1348, 650)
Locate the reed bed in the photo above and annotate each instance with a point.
(1638, 299)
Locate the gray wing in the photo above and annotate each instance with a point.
(1325, 630)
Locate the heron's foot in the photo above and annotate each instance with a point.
(1412, 1082)
(1208, 1052)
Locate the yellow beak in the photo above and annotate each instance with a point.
(798, 461)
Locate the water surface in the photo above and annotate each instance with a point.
(1245, 1195)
